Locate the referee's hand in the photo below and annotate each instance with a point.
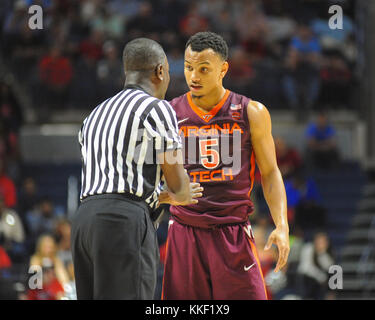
(195, 192)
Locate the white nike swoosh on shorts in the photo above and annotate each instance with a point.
(249, 267)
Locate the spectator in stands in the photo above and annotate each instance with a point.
(40, 220)
(11, 117)
(304, 203)
(261, 27)
(176, 72)
(281, 28)
(7, 187)
(176, 62)
(85, 89)
(143, 23)
(57, 36)
(46, 248)
(88, 9)
(15, 19)
(223, 24)
(7, 290)
(5, 262)
(52, 288)
(241, 72)
(288, 159)
(92, 47)
(169, 40)
(28, 198)
(297, 241)
(337, 80)
(26, 48)
(322, 152)
(55, 75)
(127, 9)
(302, 77)
(109, 71)
(295, 190)
(22, 45)
(3, 147)
(76, 30)
(211, 9)
(48, 4)
(8, 158)
(252, 28)
(193, 22)
(111, 25)
(335, 39)
(12, 234)
(316, 259)
(85, 86)
(62, 235)
(163, 17)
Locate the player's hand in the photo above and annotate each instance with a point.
(195, 192)
(279, 237)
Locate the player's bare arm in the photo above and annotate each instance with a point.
(272, 182)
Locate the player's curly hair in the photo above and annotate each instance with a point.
(208, 40)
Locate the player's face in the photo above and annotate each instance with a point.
(204, 71)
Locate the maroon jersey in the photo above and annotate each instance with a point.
(218, 155)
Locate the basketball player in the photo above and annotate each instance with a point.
(211, 252)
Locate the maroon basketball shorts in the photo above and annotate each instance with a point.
(212, 264)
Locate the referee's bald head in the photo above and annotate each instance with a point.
(146, 65)
(142, 55)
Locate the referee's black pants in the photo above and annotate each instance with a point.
(115, 249)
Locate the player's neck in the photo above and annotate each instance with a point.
(209, 101)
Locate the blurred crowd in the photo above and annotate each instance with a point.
(311, 255)
(33, 232)
(284, 47)
(282, 53)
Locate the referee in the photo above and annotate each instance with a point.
(126, 143)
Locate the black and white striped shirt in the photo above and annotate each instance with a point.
(119, 141)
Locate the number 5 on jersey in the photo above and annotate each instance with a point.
(210, 158)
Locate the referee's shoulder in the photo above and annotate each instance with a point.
(162, 106)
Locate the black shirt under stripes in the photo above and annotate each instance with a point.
(119, 142)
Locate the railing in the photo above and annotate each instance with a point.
(365, 272)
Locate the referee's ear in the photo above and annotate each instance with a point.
(161, 79)
(159, 72)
